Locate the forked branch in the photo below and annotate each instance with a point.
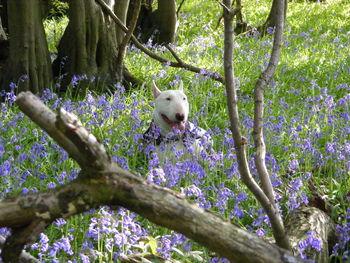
(232, 104)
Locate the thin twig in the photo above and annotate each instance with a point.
(228, 9)
(178, 9)
(178, 59)
(213, 75)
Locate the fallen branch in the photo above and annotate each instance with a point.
(308, 223)
(213, 75)
(103, 182)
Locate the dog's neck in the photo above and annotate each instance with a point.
(191, 132)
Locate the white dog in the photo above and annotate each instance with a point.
(170, 131)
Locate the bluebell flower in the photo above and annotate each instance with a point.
(60, 222)
(260, 232)
(5, 168)
(84, 258)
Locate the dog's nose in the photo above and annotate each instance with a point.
(180, 116)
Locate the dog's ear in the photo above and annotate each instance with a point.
(156, 91)
(181, 86)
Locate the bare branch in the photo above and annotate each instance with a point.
(228, 8)
(271, 211)
(213, 75)
(123, 45)
(178, 59)
(45, 118)
(260, 86)
(179, 8)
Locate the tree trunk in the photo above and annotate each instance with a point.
(272, 18)
(161, 23)
(29, 63)
(89, 46)
(166, 21)
(4, 47)
(241, 26)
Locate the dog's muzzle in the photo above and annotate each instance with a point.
(180, 124)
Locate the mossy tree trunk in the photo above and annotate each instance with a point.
(29, 63)
(89, 45)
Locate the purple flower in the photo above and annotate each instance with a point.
(260, 232)
(293, 164)
(193, 190)
(51, 185)
(84, 258)
(5, 168)
(237, 212)
(270, 30)
(60, 222)
(296, 184)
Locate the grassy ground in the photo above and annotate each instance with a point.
(306, 129)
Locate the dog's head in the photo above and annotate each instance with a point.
(171, 109)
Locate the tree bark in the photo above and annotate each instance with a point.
(3, 36)
(4, 47)
(264, 79)
(123, 44)
(24, 256)
(309, 222)
(160, 23)
(89, 45)
(29, 63)
(165, 21)
(272, 18)
(122, 12)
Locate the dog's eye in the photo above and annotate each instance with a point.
(168, 98)
(184, 98)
